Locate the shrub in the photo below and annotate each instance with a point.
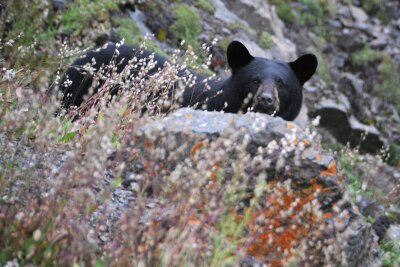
(265, 40)
(129, 31)
(389, 80)
(365, 56)
(186, 26)
(205, 5)
(284, 10)
(323, 69)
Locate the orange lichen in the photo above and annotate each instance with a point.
(147, 143)
(214, 172)
(306, 142)
(196, 147)
(290, 125)
(318, 157)
(188, 116)
(331, 169)
(284, 225)
(296, 141)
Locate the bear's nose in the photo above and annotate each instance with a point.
(266, 100)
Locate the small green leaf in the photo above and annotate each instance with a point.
(117, 182)
(99, 263)
(67, 137)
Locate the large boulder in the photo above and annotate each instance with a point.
(296, 207)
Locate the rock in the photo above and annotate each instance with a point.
(393, 234)
(60, 4)
(380, 226)
(224, 14)
(350, 40)
(358, 14)
(261, 16)
(369, 207)
(295, 169)
(346, 128)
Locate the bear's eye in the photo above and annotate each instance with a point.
(280, 83)
(256, 81)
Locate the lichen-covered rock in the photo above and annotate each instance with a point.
(297, 210)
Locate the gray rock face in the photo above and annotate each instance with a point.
(336, 117)
(261, 16)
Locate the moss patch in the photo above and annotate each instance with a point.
(265, 40)
(205, 5)
(365, 56)
(186, 26)
(126, 28)
(389, 80)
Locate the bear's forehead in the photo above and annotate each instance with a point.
(269, 68)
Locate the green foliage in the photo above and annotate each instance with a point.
(374, 8)
(284, 10)
(205, 5)
(365, 56)
(186, 26)
(79, 15)
(393, 155)
(389, 80)
(391, 253)
(323, 67)
(349, 160)
(35, 30)
(265, 40)
(129, 31)
(243, 27)
(315, 12)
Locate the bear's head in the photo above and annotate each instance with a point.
(269, 86)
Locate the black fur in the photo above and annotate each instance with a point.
(258, 84)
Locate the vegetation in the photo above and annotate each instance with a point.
(205, 5)
(389, 80)
(58, 175)
(323, 67)
(391, 253)
(186, 26)
(374, 7)
(284, 10)
(127, 29)
(365, 56)
(265, 40)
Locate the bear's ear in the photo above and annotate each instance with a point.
(238, 56)
(304, 67)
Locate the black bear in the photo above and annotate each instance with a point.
(256, 84)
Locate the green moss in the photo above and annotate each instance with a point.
(186, 26)
(126, 28)
(284, 10)
(323, 67)
(205, 5)
(370, 6)
(389, 77)
(77, 17)
(393, 155)
(390, 253)
(265, 40)
(348, 160)
(243, 27)
(365, 56)
(315, 12)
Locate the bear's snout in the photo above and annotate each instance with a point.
(266, 99)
